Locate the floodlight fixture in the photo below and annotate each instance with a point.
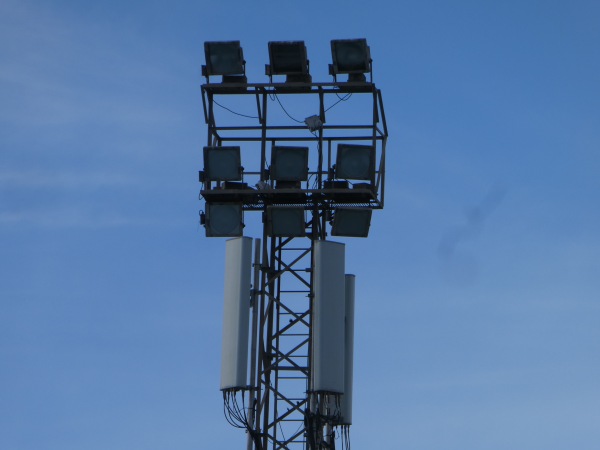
(222, 163)
(225, 58)
(224, 219)
(351, 222)
(351, 56)
(289, 58)
(355, 162)
(286, 221)
(289, 163)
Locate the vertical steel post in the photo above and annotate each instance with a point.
(253, 348)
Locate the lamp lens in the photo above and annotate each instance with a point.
(290, 164)
(288, 57)
(287, 222)
(354, 162)
(351, 222)
(351, 57)
(225, 58)
(222, 163)
(224, 220)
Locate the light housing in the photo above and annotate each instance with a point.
(224, 220)
(225, 58)
(355, 162)
(289, 163)
(222, 163)
(351, 56)
(289, 58)
(351, 222)
(286, 221)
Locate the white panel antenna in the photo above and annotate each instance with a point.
(328, 317)
(236, 314)
(346, 400)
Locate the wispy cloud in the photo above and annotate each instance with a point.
(60, 71)
(77, 218)
(72, 198)
(33, 179)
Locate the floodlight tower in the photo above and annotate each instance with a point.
(289, 309)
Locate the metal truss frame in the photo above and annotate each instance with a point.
(282, 411)
(284, 335)
(322, 197)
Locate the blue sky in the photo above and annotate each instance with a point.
(477, 290)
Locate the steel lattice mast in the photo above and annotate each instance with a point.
(280, 408)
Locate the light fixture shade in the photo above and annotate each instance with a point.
(224, 219)
(285, 221)
(222, 164)
(224, 58)
(289, 163)
(288, 58)
(355, 162)
(350, 56)
(351, 222)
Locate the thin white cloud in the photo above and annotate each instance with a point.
(472, 378)
(76, 218)
(57, 71)
(33, 179)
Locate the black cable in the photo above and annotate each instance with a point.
(318, 152)
(241, 413)
(281, 429)
(234, 415)
(280, 104)
(227, 411)
(341, 99)
(314, 185)
(233, 112)
(236, 410)
(237, 416)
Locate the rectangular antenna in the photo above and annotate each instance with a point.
(236, 313)
(346, 400)
(328, 316)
